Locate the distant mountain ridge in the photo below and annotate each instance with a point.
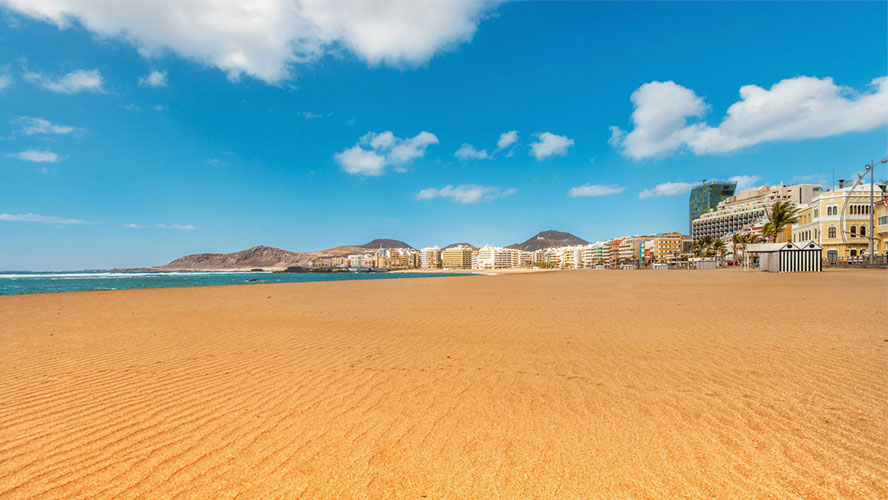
(386, 243)
(462, 244)
(263, 257)
(251, 258)
(546, 239)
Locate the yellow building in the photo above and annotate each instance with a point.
(629, 249)
(882, 224)
(839, 221)
(457, 258)
(666, 246)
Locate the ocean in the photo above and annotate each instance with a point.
(24, 282)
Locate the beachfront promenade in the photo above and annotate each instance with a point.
(581, 384)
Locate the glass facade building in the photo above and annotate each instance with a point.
(706, 196)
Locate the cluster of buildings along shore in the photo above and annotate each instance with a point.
(839, 220)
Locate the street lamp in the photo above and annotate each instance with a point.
(872, 169)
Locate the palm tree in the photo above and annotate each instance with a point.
(718, 248)
(740, 242)
(781, 215)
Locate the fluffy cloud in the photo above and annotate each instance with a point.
(71, 83)
(549, 144)
(745, 181)
(154, 79)
(595, 190)
(676, 188)
(374, 151)
(666, 189)
(181, 227)
(466, 193)
(265, 38)
(468, 152)
(42, 219)
(5, 81)
(31, 126)
(792, 109)
(35, 155)
(506, 139)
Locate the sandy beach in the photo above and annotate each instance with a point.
(608, 384)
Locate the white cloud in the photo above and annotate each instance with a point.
(466, 193)
(181, 227)
(31, 125)
(154, 79)
(35, 155)
(676, 188)
(357, 160)
(42, 219)
(374, 151)
(266, 38)
(745, 181)
(666, 189)
(5, 81)
(409, 149)
(595, 190)
(506, 139)
(549, 144)
(71, 83)
(792, 109)
(308, 115)
(468, 152)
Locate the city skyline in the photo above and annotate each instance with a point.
(494, 123)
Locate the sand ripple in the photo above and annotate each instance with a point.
(552, 385)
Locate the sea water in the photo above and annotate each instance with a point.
(22, 282)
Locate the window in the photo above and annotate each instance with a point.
(816, 213)
(831, 232)
(862, 231)
(853, 231)
(883, 220)
(853, 253)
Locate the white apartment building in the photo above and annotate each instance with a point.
(491, 257)
(749, 207)
(430, 258)
(520, 258)
(360, 260)
(594, 254)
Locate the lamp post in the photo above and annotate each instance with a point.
(872, 229)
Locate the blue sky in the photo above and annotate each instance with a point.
(262, 131)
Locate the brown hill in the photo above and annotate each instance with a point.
(376, 244)
(385, 243)
(546, 239)
(251, 258)
(262, 257)
(464, 244)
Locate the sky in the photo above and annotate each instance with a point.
(133, 134)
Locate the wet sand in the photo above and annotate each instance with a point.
(607, 384)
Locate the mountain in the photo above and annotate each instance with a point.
(251, 258)
(546, 239)
(343, 250)
(460, 244)
(262, 257)
(385, 243)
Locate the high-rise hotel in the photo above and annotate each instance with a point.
(705, 197)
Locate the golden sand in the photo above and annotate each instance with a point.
(636, 384)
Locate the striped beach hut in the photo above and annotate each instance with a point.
(788, 257)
